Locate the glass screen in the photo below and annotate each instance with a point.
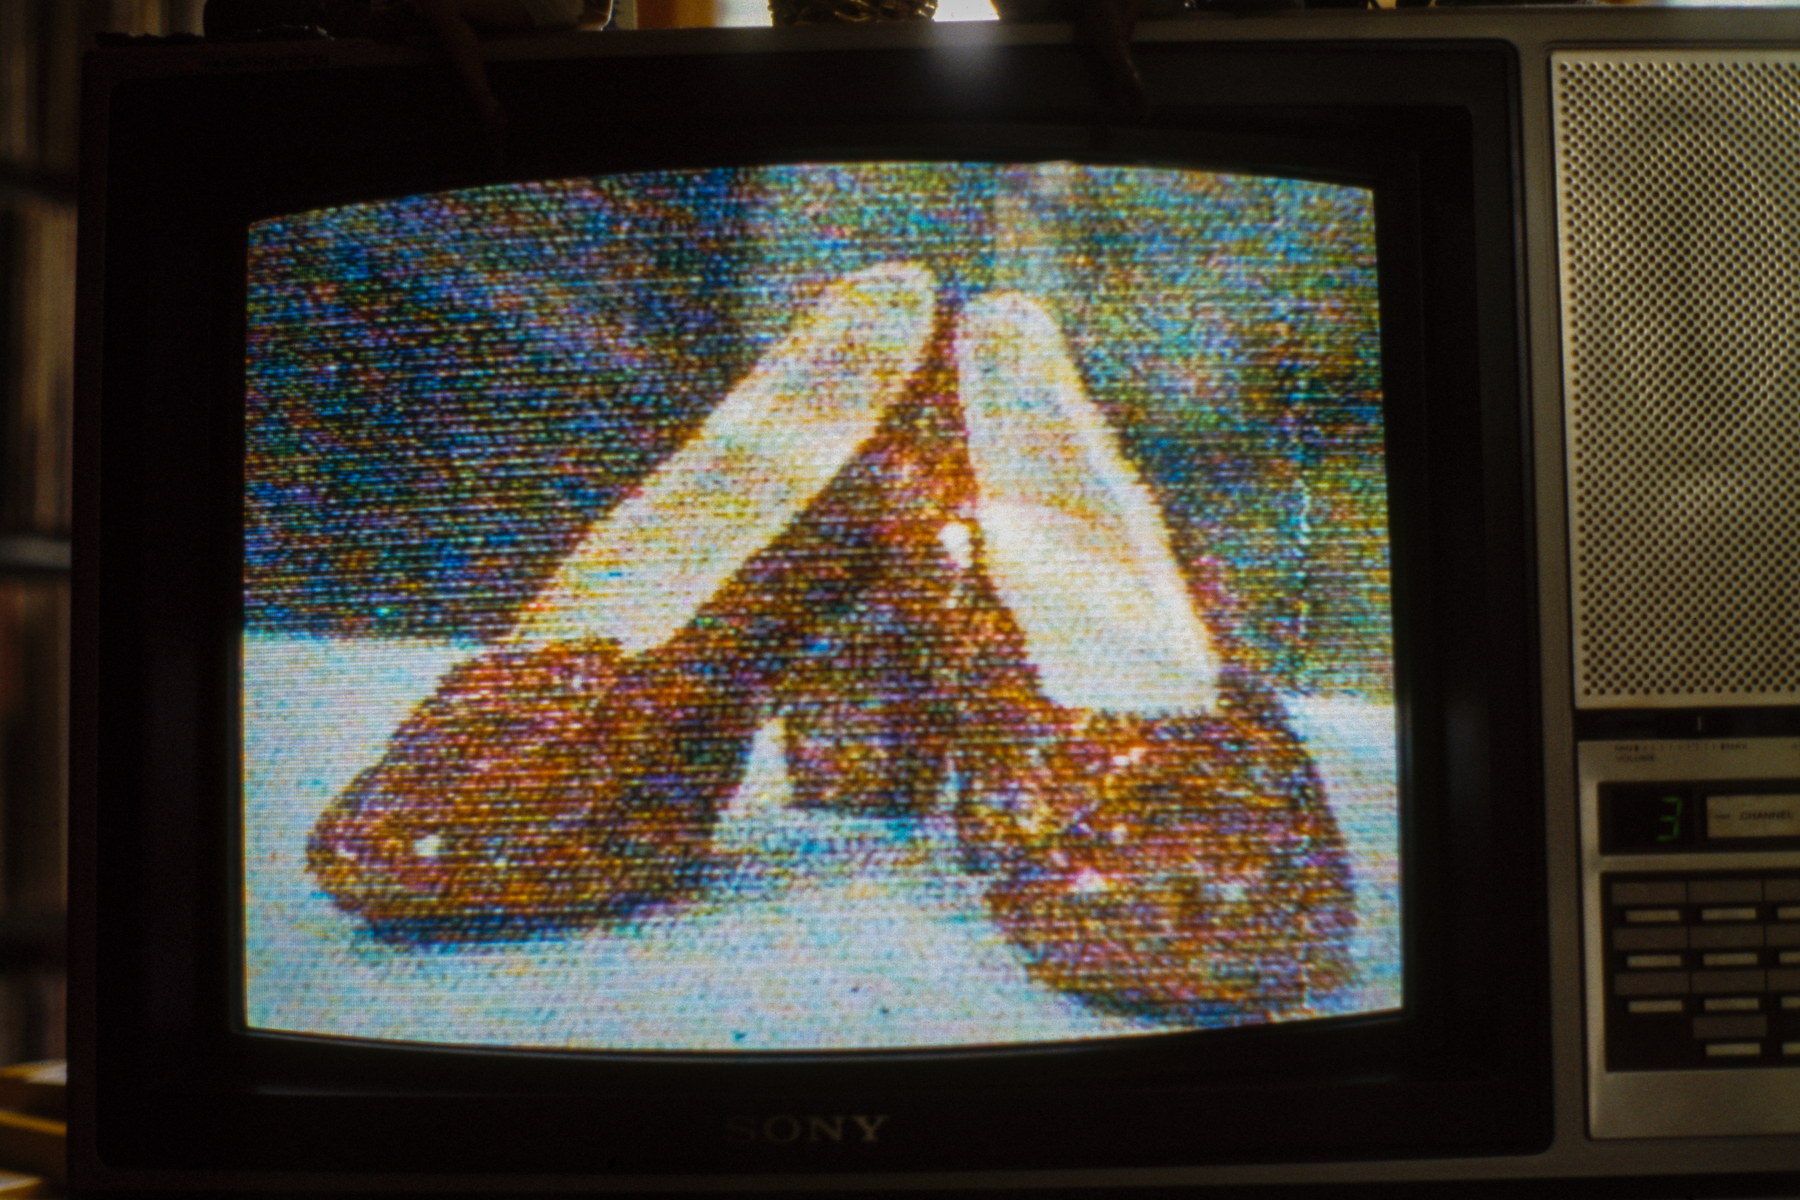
(818, 607)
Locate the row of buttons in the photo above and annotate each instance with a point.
(1703, 983)
(1739, 1025)
(1670, 916)
(1693, 963)
(1716, 937)
(1705, 891)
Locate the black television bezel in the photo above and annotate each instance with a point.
(1464, 1070)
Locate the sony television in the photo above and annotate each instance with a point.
(835, 612)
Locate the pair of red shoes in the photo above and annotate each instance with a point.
(921, 548)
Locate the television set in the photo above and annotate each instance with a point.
(839, 614)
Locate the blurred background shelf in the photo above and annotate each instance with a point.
(41, 47)
(33, 554)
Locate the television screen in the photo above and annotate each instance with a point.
(818, 607)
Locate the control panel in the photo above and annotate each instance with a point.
(1691, 907)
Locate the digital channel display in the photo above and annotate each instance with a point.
(818, 607)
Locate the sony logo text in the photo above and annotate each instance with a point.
(786, 1129)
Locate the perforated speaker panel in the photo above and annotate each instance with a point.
(1678, 201)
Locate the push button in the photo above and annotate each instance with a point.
(1734, 958)
(1661, 891)
(1733, 1003)
(1654, 938)
(1651, 983)
(1639, 962)
(1718, 1028)
(1644, 1007)
(1728, 981)
(1725, 891)
(1723, 937)
(1653, 916)
(1746, 913)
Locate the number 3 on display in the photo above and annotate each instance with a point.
(1670, 820)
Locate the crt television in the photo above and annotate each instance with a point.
(834, 613)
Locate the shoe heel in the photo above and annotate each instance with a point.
(867, 711)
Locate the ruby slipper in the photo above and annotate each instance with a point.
(867, 712)
(576, 770)
(1160, 837)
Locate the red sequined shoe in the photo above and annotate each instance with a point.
(868, 711)
(1160, 839)
(576, 770)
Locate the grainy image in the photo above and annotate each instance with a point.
(818, 607)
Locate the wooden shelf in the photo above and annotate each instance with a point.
(33, 554)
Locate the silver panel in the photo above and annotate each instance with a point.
(1678, 204)
(1649, 1104)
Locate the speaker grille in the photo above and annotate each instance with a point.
(1678, 199)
